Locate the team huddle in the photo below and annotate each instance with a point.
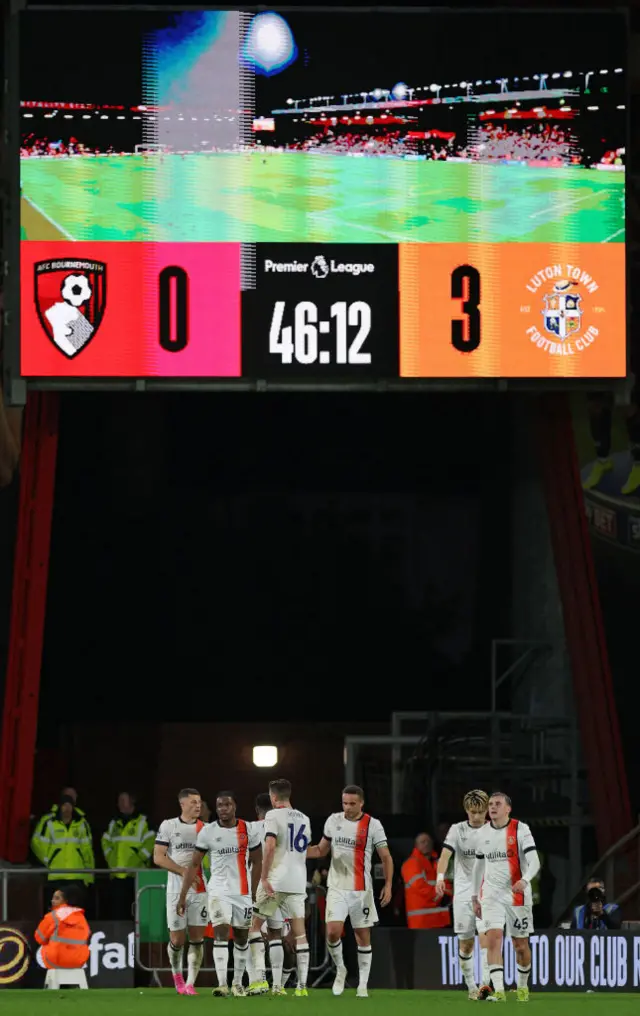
(257, 886)
(258, 883)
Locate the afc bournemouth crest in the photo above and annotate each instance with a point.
(70, 296)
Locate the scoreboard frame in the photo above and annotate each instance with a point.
(16, 386)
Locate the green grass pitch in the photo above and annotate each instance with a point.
(161, 1002)
(243, 197)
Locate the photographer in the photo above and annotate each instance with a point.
(596, 914)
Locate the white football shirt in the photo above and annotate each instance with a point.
(462, 840)
(291, 830)
(228, 849)
(504, 852)
(352, 846)
(180, 837)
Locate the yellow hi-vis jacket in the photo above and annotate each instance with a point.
(128, 843)
(59, 846)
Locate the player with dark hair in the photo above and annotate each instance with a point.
(233, 846)
(173, 851)
(351, 836)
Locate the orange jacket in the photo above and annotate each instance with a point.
(419, 876)
(64, 936)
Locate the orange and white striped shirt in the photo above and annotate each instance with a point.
(352, 846)
(228, 849)
(504, 851)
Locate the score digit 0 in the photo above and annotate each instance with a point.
(471, 307)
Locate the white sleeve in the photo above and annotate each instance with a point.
(528, 852)
(202, 840)
(253, 834)
(271, 824)
(163, 836)
(328, 829)
(378, 835)
(451, 840)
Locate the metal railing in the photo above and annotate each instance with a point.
(320, 968)
(619, 869)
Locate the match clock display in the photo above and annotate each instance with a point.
(322, 311)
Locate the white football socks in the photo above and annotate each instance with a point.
(497, 978)
(335, 952)
(221, 961)
(466, 966)
(486, 976)
(194, 961)
(302, 957)
(256, 960)
(276, 960)
(364, 966)
(240, 955)
(175, 957)
(523, 976)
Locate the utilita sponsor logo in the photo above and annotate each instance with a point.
(109, 955)
(320, 267)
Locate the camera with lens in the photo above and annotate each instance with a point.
(596, 895)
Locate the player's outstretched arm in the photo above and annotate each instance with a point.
(188, 878)
(443, 864)
(321, 849)
(387, 866)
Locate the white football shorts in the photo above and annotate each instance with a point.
(291, 905)
(196, 914)
(234, 910)
(358, 905)
(275, 923)
(465, 922)
(517, 922)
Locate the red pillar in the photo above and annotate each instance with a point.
(592, 682)
(28, 608)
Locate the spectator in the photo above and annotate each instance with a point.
(596, 914)
(62, 840)
(64, 933)
(127, 843)
(419, 876)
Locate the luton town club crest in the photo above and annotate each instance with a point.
(562, 313)
(70, 296)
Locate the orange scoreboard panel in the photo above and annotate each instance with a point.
(521, 310)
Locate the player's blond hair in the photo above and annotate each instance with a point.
(476, 800)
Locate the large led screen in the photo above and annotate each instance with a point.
(322, 194)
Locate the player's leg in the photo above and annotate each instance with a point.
(267, 907)
(256, 960)
(276, 948)
(363, 916)
(197, 919)
(485, 990)
(220, 916)
(336, 914)
(519, 927)
(242, 913)
(599, 408)
(177, 926)
(293, 908)
(493, 914)
(464, 923)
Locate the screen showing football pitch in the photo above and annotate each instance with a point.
(322, 195)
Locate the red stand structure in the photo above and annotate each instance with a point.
(28, 608)
(593, 686)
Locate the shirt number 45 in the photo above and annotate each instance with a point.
(298, 840)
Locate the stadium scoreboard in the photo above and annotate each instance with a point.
(222, 197)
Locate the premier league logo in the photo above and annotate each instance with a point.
(562, 313)
(70, 297)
